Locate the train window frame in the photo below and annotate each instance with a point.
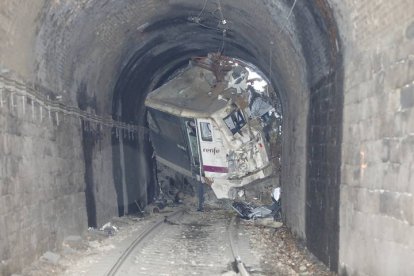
(206, 138)
(235, 121)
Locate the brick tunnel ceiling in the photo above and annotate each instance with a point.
(183, 30)
(131, 45)
(112, 52)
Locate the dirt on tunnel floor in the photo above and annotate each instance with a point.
(282, 253)
(276, 249)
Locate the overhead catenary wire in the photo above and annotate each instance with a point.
(222, 42)
(288, 16)
(291, 10)
(223, 21)
(221, 12)
(281, 30)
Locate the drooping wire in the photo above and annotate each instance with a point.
(291, 10)
(223, 22)
(221, 12)
(281, 29)
(202, 10)
(222, 42)
(287, 18)
(270, 64)
(208, 27)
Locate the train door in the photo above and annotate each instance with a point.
(191, 130)
(213, 154)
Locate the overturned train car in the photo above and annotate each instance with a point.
(200, 126)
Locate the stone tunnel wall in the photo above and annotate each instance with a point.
(377, 185)
(42, 195)
(43, 168)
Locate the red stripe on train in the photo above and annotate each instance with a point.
(215, 169)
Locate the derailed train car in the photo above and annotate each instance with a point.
(201, 126)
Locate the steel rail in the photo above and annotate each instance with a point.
(240, 265)
(140, 238)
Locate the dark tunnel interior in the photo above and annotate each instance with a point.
(303, 64)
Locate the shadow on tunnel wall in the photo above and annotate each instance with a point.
(324, 137)
(88, 144)
(133, 162)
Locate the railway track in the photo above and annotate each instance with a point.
(140, 238)
(189, 247)
(235, 250)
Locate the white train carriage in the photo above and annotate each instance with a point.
(198, 127)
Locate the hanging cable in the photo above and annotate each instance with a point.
(202, 10)
(271, 42)
(223, 21)
(222, 42)
(287, 18)
(270, 64)
(291, 10)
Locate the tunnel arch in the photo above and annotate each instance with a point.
(320, 84)
(103, 53)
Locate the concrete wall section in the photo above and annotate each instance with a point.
(294, 168)
(377, 200)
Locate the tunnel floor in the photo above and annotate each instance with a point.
(195, 243)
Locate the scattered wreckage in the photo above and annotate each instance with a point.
(249, 211)
(208, 123)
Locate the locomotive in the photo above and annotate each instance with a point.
(203, 125)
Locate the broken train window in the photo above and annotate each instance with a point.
(235, 121)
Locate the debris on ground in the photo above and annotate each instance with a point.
(250, 211)
(109, 229)
(279, 251)
(78, 253)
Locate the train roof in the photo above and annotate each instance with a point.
(192, 94)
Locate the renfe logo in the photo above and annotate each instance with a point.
(213, 150)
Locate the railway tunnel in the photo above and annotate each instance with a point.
(74, 150)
